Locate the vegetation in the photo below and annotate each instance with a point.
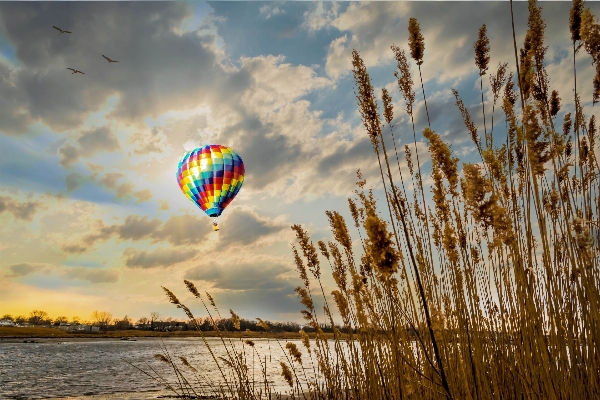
(497, 276)
(105, 321)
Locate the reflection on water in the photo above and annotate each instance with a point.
(65, 369)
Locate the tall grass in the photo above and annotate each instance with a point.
(490, 289)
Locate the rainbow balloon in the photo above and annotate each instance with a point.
(211, 176)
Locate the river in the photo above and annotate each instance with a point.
(56, 368)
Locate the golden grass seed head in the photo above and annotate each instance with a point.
(575, 19)
(388, 107)
(482, 50)
(262, 324)
(305, 340)
(323, 249)
(210, 299)
(442, 157)
(305, 298)
(408, 159)
(596, 83)
(249, 343)
(592, 132)
(567, 124)
(405, 82)
(340, 229)
(353, 211)
(380, 246)
(286, 373)
(584, 151)
(590, 35)
(538, 154)
(416, 41)
(309, 250)
(235, 319)
(342, 305)
(300, 267)
(172, 298)
(366, 98)
(186, 363)
(162, 358)
(294, 352)
(554, 103)
(192, 288)
(467, 120)
(497, 80)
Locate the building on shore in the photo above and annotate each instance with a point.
(75, 327)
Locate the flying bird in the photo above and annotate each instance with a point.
(108, 59)
(61, 31)
(75, 71)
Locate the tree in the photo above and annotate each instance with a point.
(123, 324)
(20, 319)
(61, 320)
(8, 316)
(102, 319)
(37, 317)
(75, 320)
(154, 317)
(143, 321)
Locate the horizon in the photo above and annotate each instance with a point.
(91, 215)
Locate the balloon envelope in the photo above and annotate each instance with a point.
(211, 176)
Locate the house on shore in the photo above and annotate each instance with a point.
(75, 327)
(6, 322)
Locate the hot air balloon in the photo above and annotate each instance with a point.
(211, 176)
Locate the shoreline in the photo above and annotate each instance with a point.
(20, 334)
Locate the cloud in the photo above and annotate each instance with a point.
(177, 230)
(124, 189)
(23, 211)
(73, 181)
(250, 289)
(270, 10)
(320, 16)
(143, 195)
(90, 142)
(158, 258)
(243, 276)
(100, 139)
(74, 248)
(245, 226)
(136, 228)
(178, 70)
(91, 275)
(13, 104)
(68, 155)
(24, 269)
(184, 229)
(149, 142)
(111, 178)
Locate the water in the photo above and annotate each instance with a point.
(54, 369)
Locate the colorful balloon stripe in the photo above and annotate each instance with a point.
(211, 176)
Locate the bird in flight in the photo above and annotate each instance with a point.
(61, 31)
(108, 59)
(75, 71)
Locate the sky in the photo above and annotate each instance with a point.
(91, 215)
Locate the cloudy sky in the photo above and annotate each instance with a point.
(91, 216)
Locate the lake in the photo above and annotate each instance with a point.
(71, 368)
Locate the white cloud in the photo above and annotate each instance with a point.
(321, 16)
(270, 10)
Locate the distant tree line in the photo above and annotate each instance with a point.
(105, 321)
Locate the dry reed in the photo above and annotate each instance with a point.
(489, 290)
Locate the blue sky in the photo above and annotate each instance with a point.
(91, 217)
